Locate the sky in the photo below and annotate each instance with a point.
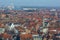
(38, 3)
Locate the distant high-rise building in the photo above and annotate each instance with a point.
(53, 10)
(56, 14)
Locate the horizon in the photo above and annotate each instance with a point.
(38, 3)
